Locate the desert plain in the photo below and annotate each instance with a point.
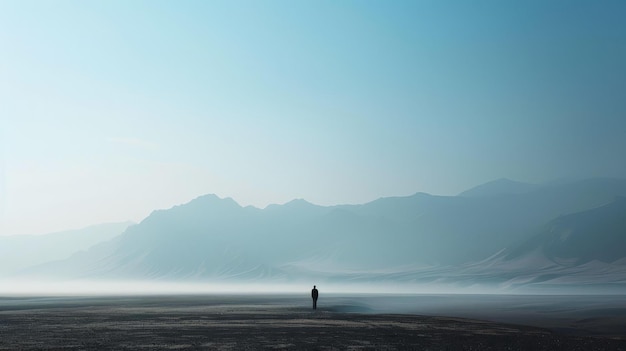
(287, 322)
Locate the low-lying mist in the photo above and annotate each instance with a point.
(9, 288)
(112, 288)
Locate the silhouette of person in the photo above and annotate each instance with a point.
(314, 295)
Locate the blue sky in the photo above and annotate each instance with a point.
(111, 109)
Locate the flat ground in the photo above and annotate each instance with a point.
(259, 322)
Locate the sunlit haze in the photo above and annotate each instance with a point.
(116, 288)
(113, 109)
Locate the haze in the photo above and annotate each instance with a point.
(112, 109)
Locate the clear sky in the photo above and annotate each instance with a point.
(111, 109)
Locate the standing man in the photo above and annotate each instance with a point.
(314, 295)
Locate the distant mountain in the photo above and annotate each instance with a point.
(20, 251)
(419, 238)
(598, 234)
(499, 187)
(585, 251)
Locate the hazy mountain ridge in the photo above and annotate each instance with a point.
(500, 187)
(596, 234)
(18, 252)
(463, 240)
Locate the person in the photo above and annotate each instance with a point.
(314, 295)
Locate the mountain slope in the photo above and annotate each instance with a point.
(597, 234)
(584, 250)
(21, 251)
(499, 187)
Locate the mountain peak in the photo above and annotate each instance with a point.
(298, 203)
(499, 187)
(199, 205)
(212, 199)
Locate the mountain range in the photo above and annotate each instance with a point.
(504, 233)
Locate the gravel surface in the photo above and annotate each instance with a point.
(170, 323)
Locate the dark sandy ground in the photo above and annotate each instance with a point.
(258, 322)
